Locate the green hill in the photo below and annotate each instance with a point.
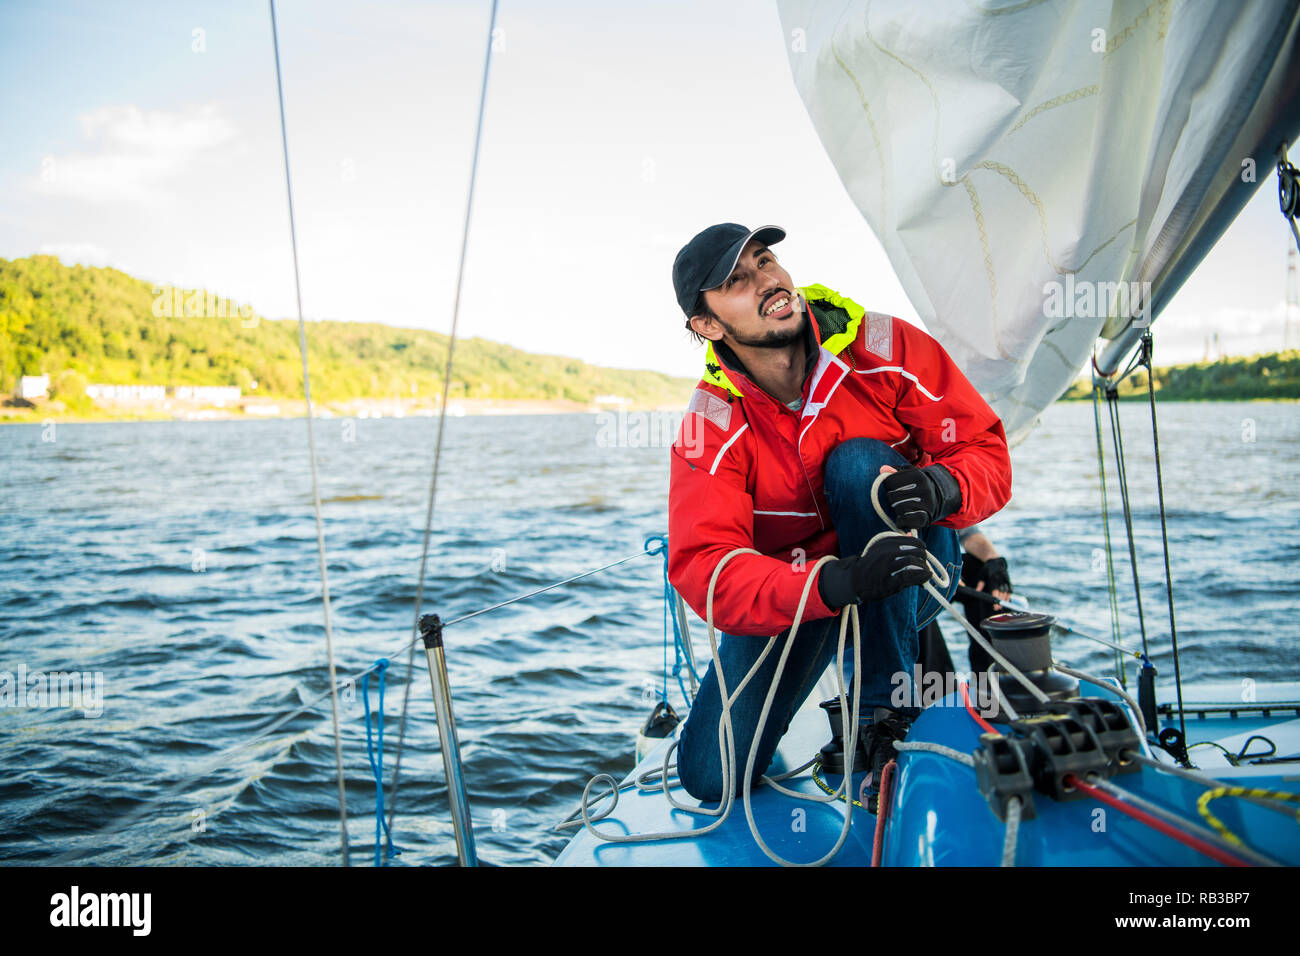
(1272, 376)
(81, 324)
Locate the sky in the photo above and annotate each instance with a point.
(145, 136)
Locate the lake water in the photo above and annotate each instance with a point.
(179, 561)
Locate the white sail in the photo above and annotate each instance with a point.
(1025, 163)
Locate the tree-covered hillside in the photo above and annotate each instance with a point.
(102, 325)
(1276, 375)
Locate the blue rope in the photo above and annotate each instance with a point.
(377, 763)
(679, 656)
(662, 548)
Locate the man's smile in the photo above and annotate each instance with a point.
(779, 305)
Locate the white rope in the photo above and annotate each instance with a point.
(1137, 711)
(1013, 832)
(925, 746)
(996, 685)
(727, 742)
(726, 734)
(940, 574)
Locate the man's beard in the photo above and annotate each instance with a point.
(773, 338)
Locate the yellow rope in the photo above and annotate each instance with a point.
(1203, 806)
(821, 783)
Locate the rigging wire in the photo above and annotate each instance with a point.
(442, 418)
(1147, 349)
(1121, 471)
(311, 445)
(548, 587)
(1111, 590)
(1067, 631)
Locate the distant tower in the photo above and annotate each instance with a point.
(1292, 299)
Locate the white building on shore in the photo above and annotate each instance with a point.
(33, 386)
(126, 393)
(215, 394)
(218, 395)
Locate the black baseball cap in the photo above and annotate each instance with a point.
(706, 261)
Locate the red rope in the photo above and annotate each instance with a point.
(1187, 839)
(882, 810)
(965, 697)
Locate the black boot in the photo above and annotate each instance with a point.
(886, 727)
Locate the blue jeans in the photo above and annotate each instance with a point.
(889, 638)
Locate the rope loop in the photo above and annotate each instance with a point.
(663, 544)
(375, 754)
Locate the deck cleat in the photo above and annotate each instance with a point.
(1002, 772)
(1107, 719)
(1060, 746)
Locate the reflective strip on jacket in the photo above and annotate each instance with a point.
(747, 472)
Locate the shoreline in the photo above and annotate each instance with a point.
(366, 409)
(358, 409)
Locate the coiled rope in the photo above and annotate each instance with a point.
(726, 737)
(849, 619)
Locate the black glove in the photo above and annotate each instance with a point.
(995, 576)
(918, 497)
(889, 566)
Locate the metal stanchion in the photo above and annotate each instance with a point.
(431, 632)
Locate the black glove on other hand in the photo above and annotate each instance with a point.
(995, 576)
(889, 566)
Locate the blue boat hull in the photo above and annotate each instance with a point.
(938, 817)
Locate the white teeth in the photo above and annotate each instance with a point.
(777, 306)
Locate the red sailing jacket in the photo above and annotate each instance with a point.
(747, 472)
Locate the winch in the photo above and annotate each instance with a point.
(1024, 639)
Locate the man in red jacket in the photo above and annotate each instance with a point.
(805, 399)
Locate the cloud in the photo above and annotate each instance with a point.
(133, 155)
(1190, 336)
